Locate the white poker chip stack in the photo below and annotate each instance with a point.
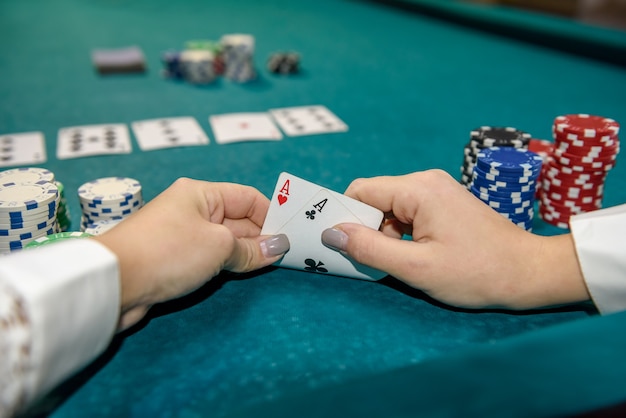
(197, 66)
(238, 51)
(28, 207)
(109, 198)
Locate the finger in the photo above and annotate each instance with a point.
(237, 202)
(242, 227)
(395, 229)
(397, 195)
(247, 254)
(400, 258)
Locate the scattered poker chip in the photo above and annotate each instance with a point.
(585, 150)
(57, 237)
(284, 63)
(109, 198)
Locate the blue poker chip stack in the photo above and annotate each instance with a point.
(506, 179)
(108, 199)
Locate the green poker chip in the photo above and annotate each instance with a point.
(60, 236)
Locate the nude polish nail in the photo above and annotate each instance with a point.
(275, 245)
(335, 239)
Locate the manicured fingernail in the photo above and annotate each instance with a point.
(335, 239)
(275, 245)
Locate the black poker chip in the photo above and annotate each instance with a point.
(284, 63)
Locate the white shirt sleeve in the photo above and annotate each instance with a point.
(600, 240)
(59, 309)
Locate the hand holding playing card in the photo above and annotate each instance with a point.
(462, 252)
(203, 228)
(303, 210)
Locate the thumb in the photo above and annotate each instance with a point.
(397, 257)
(254, 253)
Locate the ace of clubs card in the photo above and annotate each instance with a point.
(303, 210)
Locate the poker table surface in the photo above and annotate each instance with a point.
(411, 80)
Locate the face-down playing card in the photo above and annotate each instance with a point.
(302, 211)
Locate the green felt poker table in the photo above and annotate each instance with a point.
(411, 79)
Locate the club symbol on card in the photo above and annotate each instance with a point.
(310, 214)
(282, 199)
(316, 267)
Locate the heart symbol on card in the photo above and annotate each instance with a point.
(281, 199)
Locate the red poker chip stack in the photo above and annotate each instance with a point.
(585, 150)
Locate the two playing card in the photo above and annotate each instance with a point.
(303, 210)
(258, 126)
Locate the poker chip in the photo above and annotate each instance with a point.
(487, 137)
(171, 65)
(505, 179)
(57, 237)
(585, 150)
(100, 227)
(64, 221)
(284, 63)
(28, 207)
(197, 66)
(238, 55)
(26, 175)
(109, 198)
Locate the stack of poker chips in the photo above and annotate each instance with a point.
(238, 52)
(506, 179)
(28, 207)
(59, 236)
(197, 66)
(284, 63)
(212, 46)
(585, 150)
(486, 137)
(201, 62)
(109, 198)
(63, 213)
(171, 65)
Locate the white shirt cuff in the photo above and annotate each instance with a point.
(72, 292)
(599, 240)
